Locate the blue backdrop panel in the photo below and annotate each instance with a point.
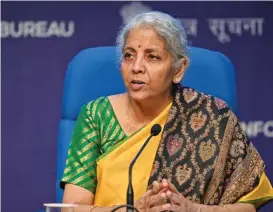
(40, 38)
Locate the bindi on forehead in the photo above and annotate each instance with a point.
(139, 46)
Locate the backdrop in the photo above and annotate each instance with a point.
(40, 38)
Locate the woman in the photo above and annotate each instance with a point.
(201, 161)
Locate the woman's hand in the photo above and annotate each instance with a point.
(153, 200)
(178, 202)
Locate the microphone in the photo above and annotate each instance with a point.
(155, 130)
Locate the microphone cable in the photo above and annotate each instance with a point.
(123, 206)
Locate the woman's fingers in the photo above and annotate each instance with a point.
(149, 199)
(170, 186)
(165, 183)
(158, 187)
(148, 193)
(175, 208)
(157, 199)
(160, 208)
(174, 198)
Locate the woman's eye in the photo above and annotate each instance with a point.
(153, 57)
(128, 55)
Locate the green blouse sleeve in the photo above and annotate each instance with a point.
(80, 166)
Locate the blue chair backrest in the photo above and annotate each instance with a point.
(94, 72)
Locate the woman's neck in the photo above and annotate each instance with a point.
(146, 110)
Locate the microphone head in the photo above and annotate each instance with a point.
(155, 130)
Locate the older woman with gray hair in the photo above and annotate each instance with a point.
(201, 161)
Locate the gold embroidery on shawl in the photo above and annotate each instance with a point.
(218, 174)
(197, 121)
(190, 95)
(242, 179)
(183, 174)
(207, 150)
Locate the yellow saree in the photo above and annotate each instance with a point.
(112, 168)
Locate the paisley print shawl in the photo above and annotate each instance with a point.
(204, 151)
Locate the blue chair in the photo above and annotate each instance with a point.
(94, 72)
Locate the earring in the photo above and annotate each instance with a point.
(176, 80)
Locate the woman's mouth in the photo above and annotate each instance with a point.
(137, 85)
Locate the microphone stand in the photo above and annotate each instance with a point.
(130, 190)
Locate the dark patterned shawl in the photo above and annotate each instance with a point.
(204, 151)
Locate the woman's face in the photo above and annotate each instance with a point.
(146, 65)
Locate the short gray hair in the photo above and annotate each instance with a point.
(167, 27)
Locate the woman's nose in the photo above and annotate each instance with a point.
(138, 65)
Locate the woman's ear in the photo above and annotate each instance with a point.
(179, 72)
